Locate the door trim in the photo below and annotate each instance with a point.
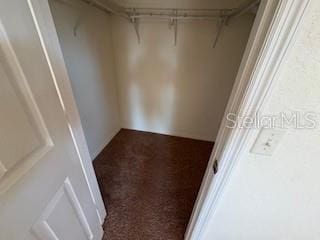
(46, 30)
(265, 54)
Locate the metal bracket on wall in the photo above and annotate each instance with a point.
(135, 23)
(220, 24)
(173, 22)
(81, 16)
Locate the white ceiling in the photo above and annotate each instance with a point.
(180, 3)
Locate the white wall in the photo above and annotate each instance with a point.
(278, 197)
(90, 63)
(178, 90)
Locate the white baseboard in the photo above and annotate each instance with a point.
(104, 143)
(164, 132)
(173, 133)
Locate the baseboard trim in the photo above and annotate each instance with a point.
(104, 144)
(173, 133)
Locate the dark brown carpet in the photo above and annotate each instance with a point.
(149, 183)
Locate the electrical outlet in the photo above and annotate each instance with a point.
(267, 141)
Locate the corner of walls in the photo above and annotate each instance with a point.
(114, 57)
(104, 143)
(178, 90)
(90, 63)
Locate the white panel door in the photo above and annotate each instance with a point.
(44, 193)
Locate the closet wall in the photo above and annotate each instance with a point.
(178, 90)
(90, 63)
(153, 86)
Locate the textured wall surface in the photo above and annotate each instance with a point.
(278, 197)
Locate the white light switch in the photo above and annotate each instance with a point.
(267, 141)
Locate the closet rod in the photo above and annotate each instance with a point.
(189, 17)
(179, 13)
(183, 9)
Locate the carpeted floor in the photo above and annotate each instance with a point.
(149, 183)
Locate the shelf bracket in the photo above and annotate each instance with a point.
(135, 23)
(220, 24)
(81, 16)
(174, 23)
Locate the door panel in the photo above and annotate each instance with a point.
(21, 121)
(73, 225)
(44, 193)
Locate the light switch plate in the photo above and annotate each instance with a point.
(267, 141)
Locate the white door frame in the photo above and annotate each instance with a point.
(49, 40)
(273, 35)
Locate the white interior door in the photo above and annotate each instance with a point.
(44, 193)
